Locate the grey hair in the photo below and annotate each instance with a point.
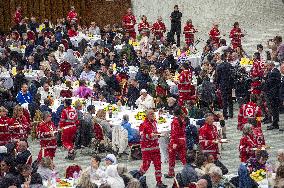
(280, 152)
(215, 170)
(45, 114)
(125, 117)
(247, 129)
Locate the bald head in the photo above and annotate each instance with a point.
(22, 146)
(202, 183)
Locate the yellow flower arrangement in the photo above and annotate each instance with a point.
(78, 101)
(140, 116)
(110, 107)
(246, 61)
(258, 175)
(161, 120)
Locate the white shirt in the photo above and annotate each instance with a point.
(88, 76)
(146, 103)
(44, 94)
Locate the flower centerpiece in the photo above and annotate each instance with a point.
(161, 120)
(258, 175)
(111, 107)
(76, 102)
(140, 116)
(245, 62)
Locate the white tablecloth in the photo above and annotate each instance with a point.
(91, 40)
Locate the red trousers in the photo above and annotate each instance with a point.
(46, 152)
(68, 137)
(147, 158)
(181, 151)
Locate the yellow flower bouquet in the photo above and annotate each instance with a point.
(140, 116)
(258, 175)
(246, 61)
(110, 107)
(78, 101)
(161, 120)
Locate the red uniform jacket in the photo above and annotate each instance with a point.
(4, 131)
(236, 37)
(189, 31)
(255, 73)
(129, 22)
(17, 17)
(207, 135)
(69, 118)
(246, 147)
(72, 33)
(184, 84)
(143, 26)
(214, 35)
(177, 131)
(72, 15)
(148, 143)
(258, 137)
(45, 132)
(19, 128)
(249, 110)
(158, 29)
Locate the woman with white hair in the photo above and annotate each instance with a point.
(133, 134)
(247, 144)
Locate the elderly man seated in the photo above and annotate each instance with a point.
(145, 101)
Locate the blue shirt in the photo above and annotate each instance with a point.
(24, 98)
(132, 133)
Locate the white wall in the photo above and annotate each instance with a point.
(260, 19)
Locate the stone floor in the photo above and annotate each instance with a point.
(230, 154)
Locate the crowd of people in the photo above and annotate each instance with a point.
(165, 81)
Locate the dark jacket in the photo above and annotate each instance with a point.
(191, 135)
(281, 91)
(176, 20)
(224, 79)
(143, 80)
(132, 95)
(272, 84)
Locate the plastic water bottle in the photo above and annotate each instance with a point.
(53, 179)
(269, 171)
(75, 177)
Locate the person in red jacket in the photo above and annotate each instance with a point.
(67, 123)
(158, 29)
(236, 36)
(214, 34)
(18, 16)
(249, 112)
(188, 32)
(18, 125)
(144, 25)
(72, 15)
(247, 144)
(128, 23)
(4, 128)
(150, 147)
(184, 84)
(72, 31)
(46, 133)
(208, 137)
(256, 74)
(177, 143)
(258, 135)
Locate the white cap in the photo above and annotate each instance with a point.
(143, 91)
(3, 149)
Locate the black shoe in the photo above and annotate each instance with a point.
(281, 129)
(168, 176)
(161, 185)
(267, 120)
(271, 127)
